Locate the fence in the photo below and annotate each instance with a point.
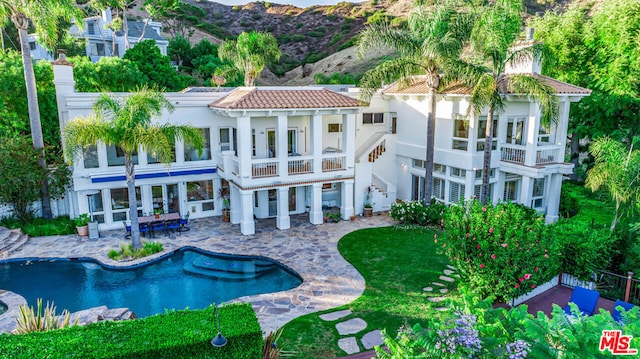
(610, 285)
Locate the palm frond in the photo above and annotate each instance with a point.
(388, 72)
(542, 93)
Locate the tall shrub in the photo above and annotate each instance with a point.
(499, 250)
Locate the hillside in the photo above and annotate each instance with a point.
(317, 39)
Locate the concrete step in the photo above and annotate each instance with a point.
(13, 240)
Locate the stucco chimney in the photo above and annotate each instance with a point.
(528, 33)
(64, 83)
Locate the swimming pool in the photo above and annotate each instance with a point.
(186, 278)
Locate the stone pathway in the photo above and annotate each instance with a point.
(448, 278)
(353, 326)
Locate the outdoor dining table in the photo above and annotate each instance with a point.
(161, 217)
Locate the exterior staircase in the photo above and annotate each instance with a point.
(11, 241)
(383, 193)
(377, 152)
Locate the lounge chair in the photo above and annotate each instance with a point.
(616, 314)
(144, 228)
(585, 299)
(127, 228)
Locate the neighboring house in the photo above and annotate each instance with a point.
(103, 41)
(288, 150)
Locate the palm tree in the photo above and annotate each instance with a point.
(44, 16)
(249, 54)
(428, 51)
(618, 169)
(494, 38)
(126, 123)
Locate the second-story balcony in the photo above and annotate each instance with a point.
(543, 154)
(296, 165)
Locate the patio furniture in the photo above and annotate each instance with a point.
(158, 226)
(184, 220)
(585, 299)
(127, 228)
(616, 314)
(144, 228)
(173, 225)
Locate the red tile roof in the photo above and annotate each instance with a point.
(419, 87)
(254, 98)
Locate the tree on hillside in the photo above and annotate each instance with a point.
(494, 39)
(21, 176)
(595, 47)
(617, 168)
(43, 15)
(14, 105)
(157, 68)
(126, 124)
(427, 51)
(249, 54)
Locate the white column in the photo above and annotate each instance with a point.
(247, 224)
(533, 127)
(281, 146)
(498, 191)
(349, 140)
(282, 219)
(235, 205)
(553, 197)
(244, 146)
(346, 200)
(560, 137)
(526, 189)
(315, 205)
(316, 143)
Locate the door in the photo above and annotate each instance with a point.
(515, 130)
(271, 143)
(166, 198)
(273, 202)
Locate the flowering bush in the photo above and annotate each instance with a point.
(415, 212)
(499, 250)
(472, 328)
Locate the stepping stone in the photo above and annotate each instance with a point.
(451, 267)
(427, 289)
(349, 345)
(448, 272)
(372, 339)
(443, 290)
(351, 326)
(335, 315)
(442, 309)
(446, 279)
(438, 284)
(436, 299)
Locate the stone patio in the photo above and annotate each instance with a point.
(310, 250)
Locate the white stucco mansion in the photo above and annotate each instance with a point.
(286, 150)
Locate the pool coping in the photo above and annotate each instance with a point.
(311, 251)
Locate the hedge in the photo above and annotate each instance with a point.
(176, 334)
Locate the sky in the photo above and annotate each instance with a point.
(298, 3)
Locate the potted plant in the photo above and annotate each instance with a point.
(223, 193)
(82, 226)
(368, 207)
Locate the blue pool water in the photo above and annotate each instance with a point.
(186, 278)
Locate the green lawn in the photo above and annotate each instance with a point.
(396, 264)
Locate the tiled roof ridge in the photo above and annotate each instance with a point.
(284, 98)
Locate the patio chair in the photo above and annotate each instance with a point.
(158, 226)
(127, 228)
(173, 225)
(585, 299)
(144, 228)
(616, 314)
(184, 220)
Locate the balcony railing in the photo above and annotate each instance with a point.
(300, 166)
(547, 154)
(333, 163)
(235, 166)
(518, 153)
(264, 168)
(512, 153)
